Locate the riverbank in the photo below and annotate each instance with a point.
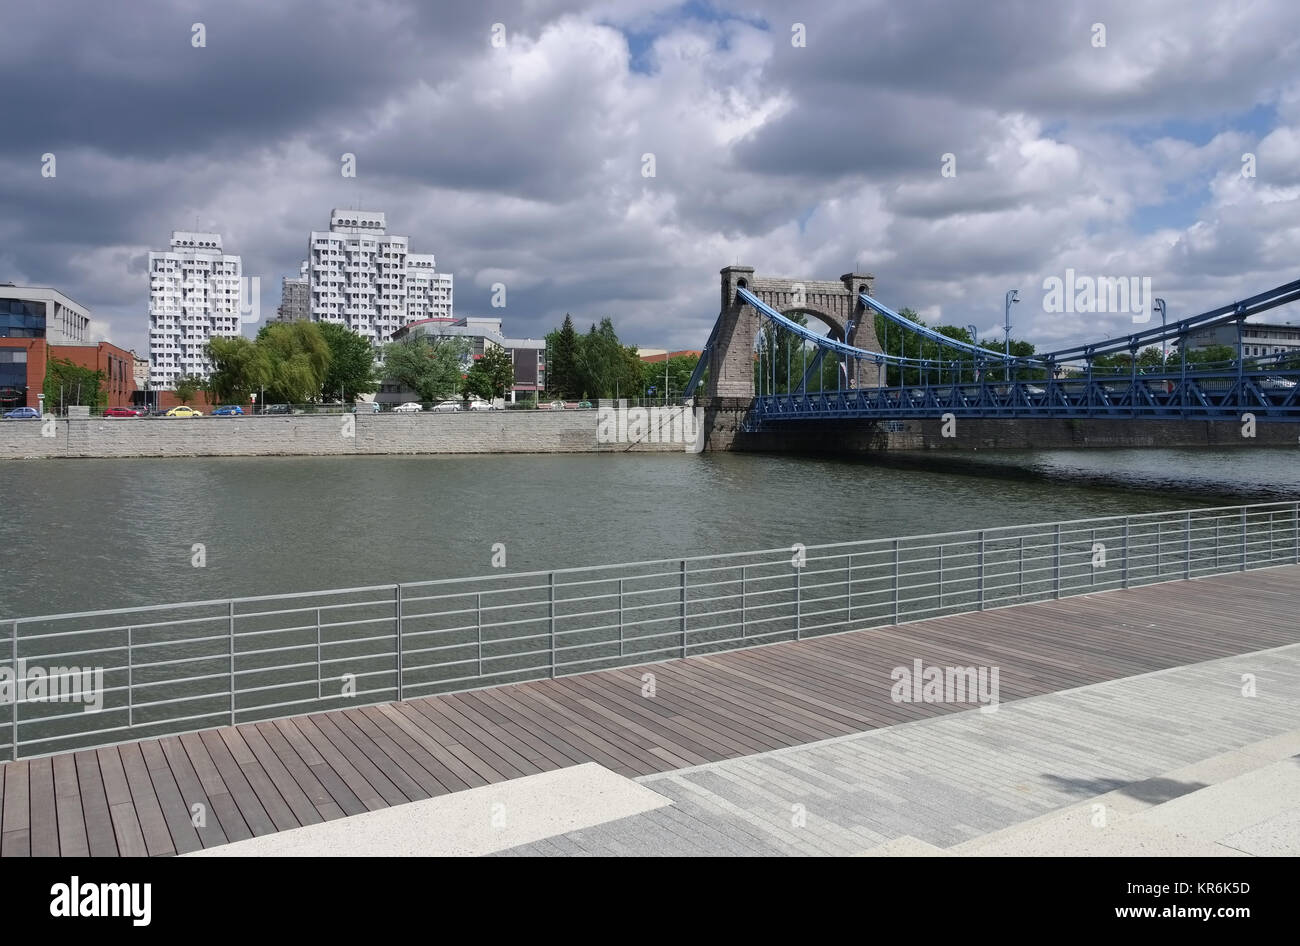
(324, 435)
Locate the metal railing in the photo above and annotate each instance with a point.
(180, 667)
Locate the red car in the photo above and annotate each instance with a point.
(122, 412)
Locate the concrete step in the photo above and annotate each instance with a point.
(1240, 803)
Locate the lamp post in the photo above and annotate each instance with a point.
(1013, 295)
(1159, 305)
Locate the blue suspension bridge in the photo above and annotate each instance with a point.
(758, 350)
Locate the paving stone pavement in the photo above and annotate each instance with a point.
(954, 778)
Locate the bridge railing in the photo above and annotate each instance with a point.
(1268, 394)
(91, 678)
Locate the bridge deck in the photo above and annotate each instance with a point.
(256, 778)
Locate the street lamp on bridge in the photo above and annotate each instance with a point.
(1159, 305)
(1013, 295)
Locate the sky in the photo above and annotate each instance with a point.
(956, 150)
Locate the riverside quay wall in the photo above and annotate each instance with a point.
(336, 435)
(723, 419)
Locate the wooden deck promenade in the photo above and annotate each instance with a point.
(136, 798)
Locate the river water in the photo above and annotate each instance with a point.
(90, 534)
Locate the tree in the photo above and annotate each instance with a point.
(67, 382)
(678, 370)
(188, 388)
(490, 375)
(239, 368)
(430, 366)
(352, 363)
(298, 357)
(562, 361)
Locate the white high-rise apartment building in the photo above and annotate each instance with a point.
(194, 294)
(362, 277)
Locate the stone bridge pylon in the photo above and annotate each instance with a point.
(731, 359)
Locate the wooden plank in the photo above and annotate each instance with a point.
(208, 828)
(303, 807)
(45, 819)
(338, 763)
(67, 801)
(387, 788)
(263, 786)
(323, 796)
(176, 813)
(100, 836)
(16, 840)
(126, 822)
(224, 807)
(157, 836)
(259, 820)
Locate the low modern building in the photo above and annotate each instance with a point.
(1258, 339)
(41, 312)
(483, 334)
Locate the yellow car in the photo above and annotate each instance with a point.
(183, 411)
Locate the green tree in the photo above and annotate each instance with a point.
(491, 375)
(67, 382)
(674, 372)
(188, 388)
(352, 363)
(428, 365)
(606, 367)
(239, 368)
(562, 361)
(298, 357)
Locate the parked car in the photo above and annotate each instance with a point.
(447, 407)
(585, 405)
(411, 407)
(277, 408)
(23, 413)
(1275, 384)
(184, 411)
(557, 405)
(228, 410)
(122, 412)
(482, 406)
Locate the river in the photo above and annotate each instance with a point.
(90, 534)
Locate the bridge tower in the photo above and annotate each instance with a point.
(731, 361)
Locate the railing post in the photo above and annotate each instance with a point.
(979, 573)
(798, 604)
(895, 582)
(1056, 564)
(1295, 531)
(1244, 551)
(744, 571)
(550, 608)
(130, 681)
(18, 691)
(1187, 547)
(620, 617)
(397, 608)
(320, 667)
(848, 576)
(1020, 567)
(230, 612)
(683, 597)
(1124, 556)
(478, 628)
(941, 576)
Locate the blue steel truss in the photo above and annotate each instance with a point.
(1268, 388)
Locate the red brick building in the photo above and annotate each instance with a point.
(24, 361)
